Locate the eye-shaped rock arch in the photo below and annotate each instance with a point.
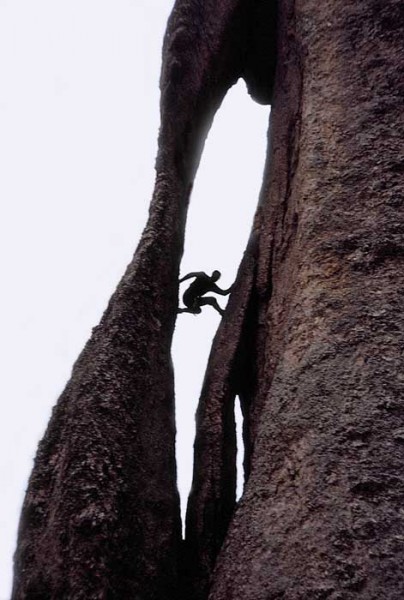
(311, 340)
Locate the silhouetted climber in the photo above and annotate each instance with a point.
(192, 297)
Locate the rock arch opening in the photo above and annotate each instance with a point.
(223, 203)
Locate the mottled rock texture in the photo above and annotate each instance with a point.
(101, 514)
(312, 340)
(321, 515)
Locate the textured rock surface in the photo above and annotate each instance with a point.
(101, 514)
(321, 515)
(312, 340)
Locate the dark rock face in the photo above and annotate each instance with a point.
(312, 340)
(101, 513)
(321, 513)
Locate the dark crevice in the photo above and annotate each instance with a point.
(260, 49)
(245, 374)
(240, 447)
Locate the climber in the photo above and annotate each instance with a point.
(203, 283)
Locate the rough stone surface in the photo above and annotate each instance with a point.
(312, 340)
(321, 515)
(101, 514)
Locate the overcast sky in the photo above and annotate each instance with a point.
(78, 128)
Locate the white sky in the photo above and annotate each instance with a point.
(78, 130)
